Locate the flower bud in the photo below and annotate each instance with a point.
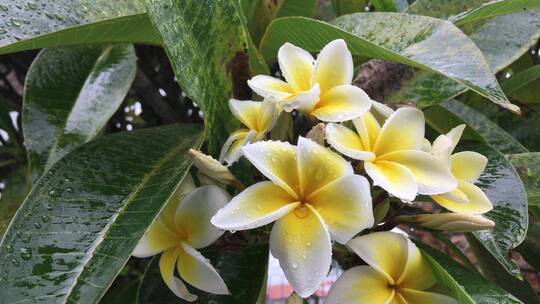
(317, 134)
(454, 222)
(211, 168)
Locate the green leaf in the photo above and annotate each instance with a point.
(17, 186)
(530, 248)
(449, 114)
(49, 23)
(123, 295)
(81, 221)
(502, 40)
(389, 5)
(442, 9)
(524, 86)
(70, 94)
(466, 286)
(407, 39)
(242, 269)
(494, 9)
(493, 271)
(206, 43)
(528, 167)
(344, 7)
(504, 188)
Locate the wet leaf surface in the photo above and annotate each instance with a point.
(35, 24)
(82, 219)
(528, 167)
(407, 39)
(206, 44)
(530, 248)
(70, 94)
(467, 287)
(524, 86)
(493, 9)
(242, 269)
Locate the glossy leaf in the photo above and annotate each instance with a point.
(206, 44)
(524, 86)
(528, 167)
(494, 9)
(452, 113)
(407, 39)
(70, 94)
(442, 9)
(493, 271)
(242, 269)
(81, 221)
(466, 286)
(502, 185)
(344, 7)
(502, 40)
(17, 186)
(530, 248)
(122, 294)
(389, 5)
(28, 25)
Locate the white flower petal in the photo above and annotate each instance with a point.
(166, 267)
(478, 202)
(431, 174)
(246, 111)
(303, 101)
(195, 269)
(194, 213)
(360, 284)
(302, 245)
(396, 179)
(347, 142)
(157, 239)
(455, 135)
(270, 87)
(418, 296)
(368, 129)
(231, 150)
(468, 165)
(168, 212)
(296, 65)
(345, 206)
(342, 103)
(334, 66)
(258, 205)
(404, 130)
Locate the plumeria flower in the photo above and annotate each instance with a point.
(182, 227)
(258, 118)
(466, 166)
(392, 153)
(313, 196)
(396, 272)
(319, 87)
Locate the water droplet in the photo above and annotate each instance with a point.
(26, 253)
(37, 225)
(32, 5)
(69, 189)
(45, 218)
(232, 231)
(294, 265)
(15, 262)
(9, 248)
(16, 22)
(308, 244)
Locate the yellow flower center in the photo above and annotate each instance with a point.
(301, 211)
(182, 234)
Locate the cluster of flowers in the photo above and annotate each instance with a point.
(314, 195)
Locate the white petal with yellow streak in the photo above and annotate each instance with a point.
(419, 297)
(360, 284)
(334, 66)
(304, 101)
(345, 206)
(394, 178)
(157, 239)
(301, 243)
(168, 212)
(195, 269)
(268, 116)
(418, 273)
(167, 263)
(442, 149)
(347, 142)
(342, 103)
(296, 65)
(194, 214)
(456, 195)
(368, 128)
(430, 173)
(277, 161)
(270, 87)
(258, 205)
(468, 165)
(246, 111)
(384, 251)
(478, 202)
(380, 111)
(404, 130)
(231, 150)
(455, 135)
(318, 166)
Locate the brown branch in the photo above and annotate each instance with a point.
(380, 78)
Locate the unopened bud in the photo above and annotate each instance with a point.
(213, 169)
(317, 134)
(454, 222)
